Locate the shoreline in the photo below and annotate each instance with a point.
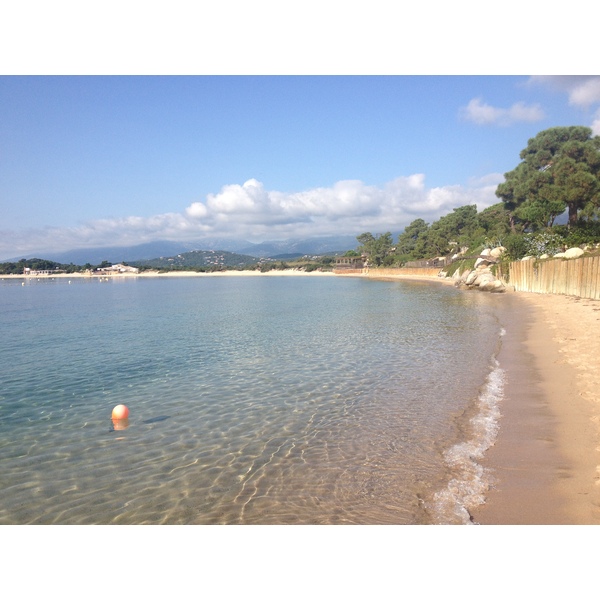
(545, 461)
(146, 274)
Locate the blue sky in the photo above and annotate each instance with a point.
(100, 160)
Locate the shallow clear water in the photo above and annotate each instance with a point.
(252, 400)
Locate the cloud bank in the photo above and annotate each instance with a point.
(480, 113)
(583, 92)
(251, 212)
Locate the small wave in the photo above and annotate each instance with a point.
(471, 481)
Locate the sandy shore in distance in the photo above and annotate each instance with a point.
(273, 273)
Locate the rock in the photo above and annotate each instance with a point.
(481, 278)
(545, 256)
(482, 258)
(471, 277)
(528, 258)
(573, 253)
(559, 255)
(492, 285)
(498, 252)
(484, 280)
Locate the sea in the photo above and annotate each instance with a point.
(252, 400)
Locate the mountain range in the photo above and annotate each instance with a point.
(159, 249)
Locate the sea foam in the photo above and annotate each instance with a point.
(471, 482)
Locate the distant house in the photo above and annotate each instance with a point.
(119, 268)
(350, 262)
(36, 272)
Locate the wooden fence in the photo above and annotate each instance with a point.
(405, 272)
(391, 272)
(574, 277)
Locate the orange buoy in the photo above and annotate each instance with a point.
(120, 412)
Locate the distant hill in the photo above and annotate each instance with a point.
(199, 259)
(312, 246)
(151, 250)
(290, 256)
(116, 254)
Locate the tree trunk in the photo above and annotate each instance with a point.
(572, 213)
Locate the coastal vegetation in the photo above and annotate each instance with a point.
(39, 264)
(198, 261)
(205, 260)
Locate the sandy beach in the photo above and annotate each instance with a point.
(546, 459)
(545, 463)
(272, 273)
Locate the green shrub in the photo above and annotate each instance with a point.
(460, 265)
(516, 246)
(585, 232)
(545, 242)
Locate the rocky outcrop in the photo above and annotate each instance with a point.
(481, 277)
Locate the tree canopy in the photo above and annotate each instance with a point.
(376, 248)
(560, 170)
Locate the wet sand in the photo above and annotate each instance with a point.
(546, 459)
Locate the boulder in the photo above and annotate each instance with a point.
(492, 285)
(471, 277)
(498, 252)
(482, 260)
(483, 280)
(573, 253)
(464, 275)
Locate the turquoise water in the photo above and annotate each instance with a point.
(313, 400)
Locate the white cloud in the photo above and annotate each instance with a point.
(481, 113)
(251, 212)
(583, 90)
